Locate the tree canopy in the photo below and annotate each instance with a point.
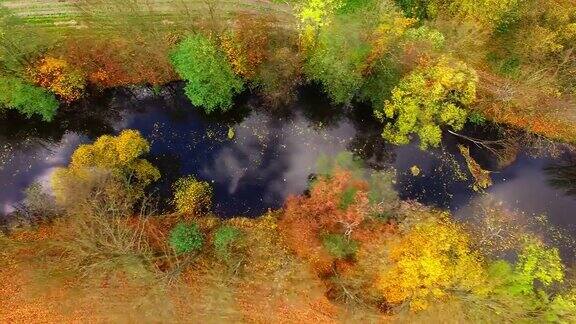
(210, 81)
(428, 98)
(27, 99)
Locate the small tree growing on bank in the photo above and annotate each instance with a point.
(211, 83)
(192, 196)
(27, 99)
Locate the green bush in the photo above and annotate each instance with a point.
(224, 239)
(186, 238)
(211, 83)
(339, 245)
(27, 99)
(347, 198)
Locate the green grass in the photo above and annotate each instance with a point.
(54, 18)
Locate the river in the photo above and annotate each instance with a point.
(271, 156)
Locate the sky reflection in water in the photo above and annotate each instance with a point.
(270, 157)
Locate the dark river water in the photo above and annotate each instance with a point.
(271, 156)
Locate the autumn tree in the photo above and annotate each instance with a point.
(121, 155)
(314, 14)
(26, 98)
(246, 45)
(426, 99)
(192, 196)
(337, 204)
(60, 77)
(210, 80)
(345, 51)
(115, 60)
(430, 262)
(280, 75)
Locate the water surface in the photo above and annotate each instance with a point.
(271, 156)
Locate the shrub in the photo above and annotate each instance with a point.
(38, 203)
(97, 238)
(192, 196)
(27, 99)
(224, 239)
(185, 238)
(60, 77)
(211, 83)
(339, 246)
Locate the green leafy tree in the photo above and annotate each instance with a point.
(211, 83)
(345, 53)
(429, 97)
(186, 238)
(27, 99)
(224, 240)
(525, 291)
(336, 63)
(537, 264)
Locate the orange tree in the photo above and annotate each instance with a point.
(60, 77)
(246, 45)
(337, 205)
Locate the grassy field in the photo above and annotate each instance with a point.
(58, 15)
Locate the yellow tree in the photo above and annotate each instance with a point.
(429, 262)
(120, 155)
(313, 15)
(60, 77)
(192, 196)
(427, 98)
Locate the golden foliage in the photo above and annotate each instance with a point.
(108, 156)
(60, 77)
(385, 36)
(429, 262)
(118, 153)
(192, 196)
(115, 61)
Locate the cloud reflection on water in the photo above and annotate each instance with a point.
(35, 162)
